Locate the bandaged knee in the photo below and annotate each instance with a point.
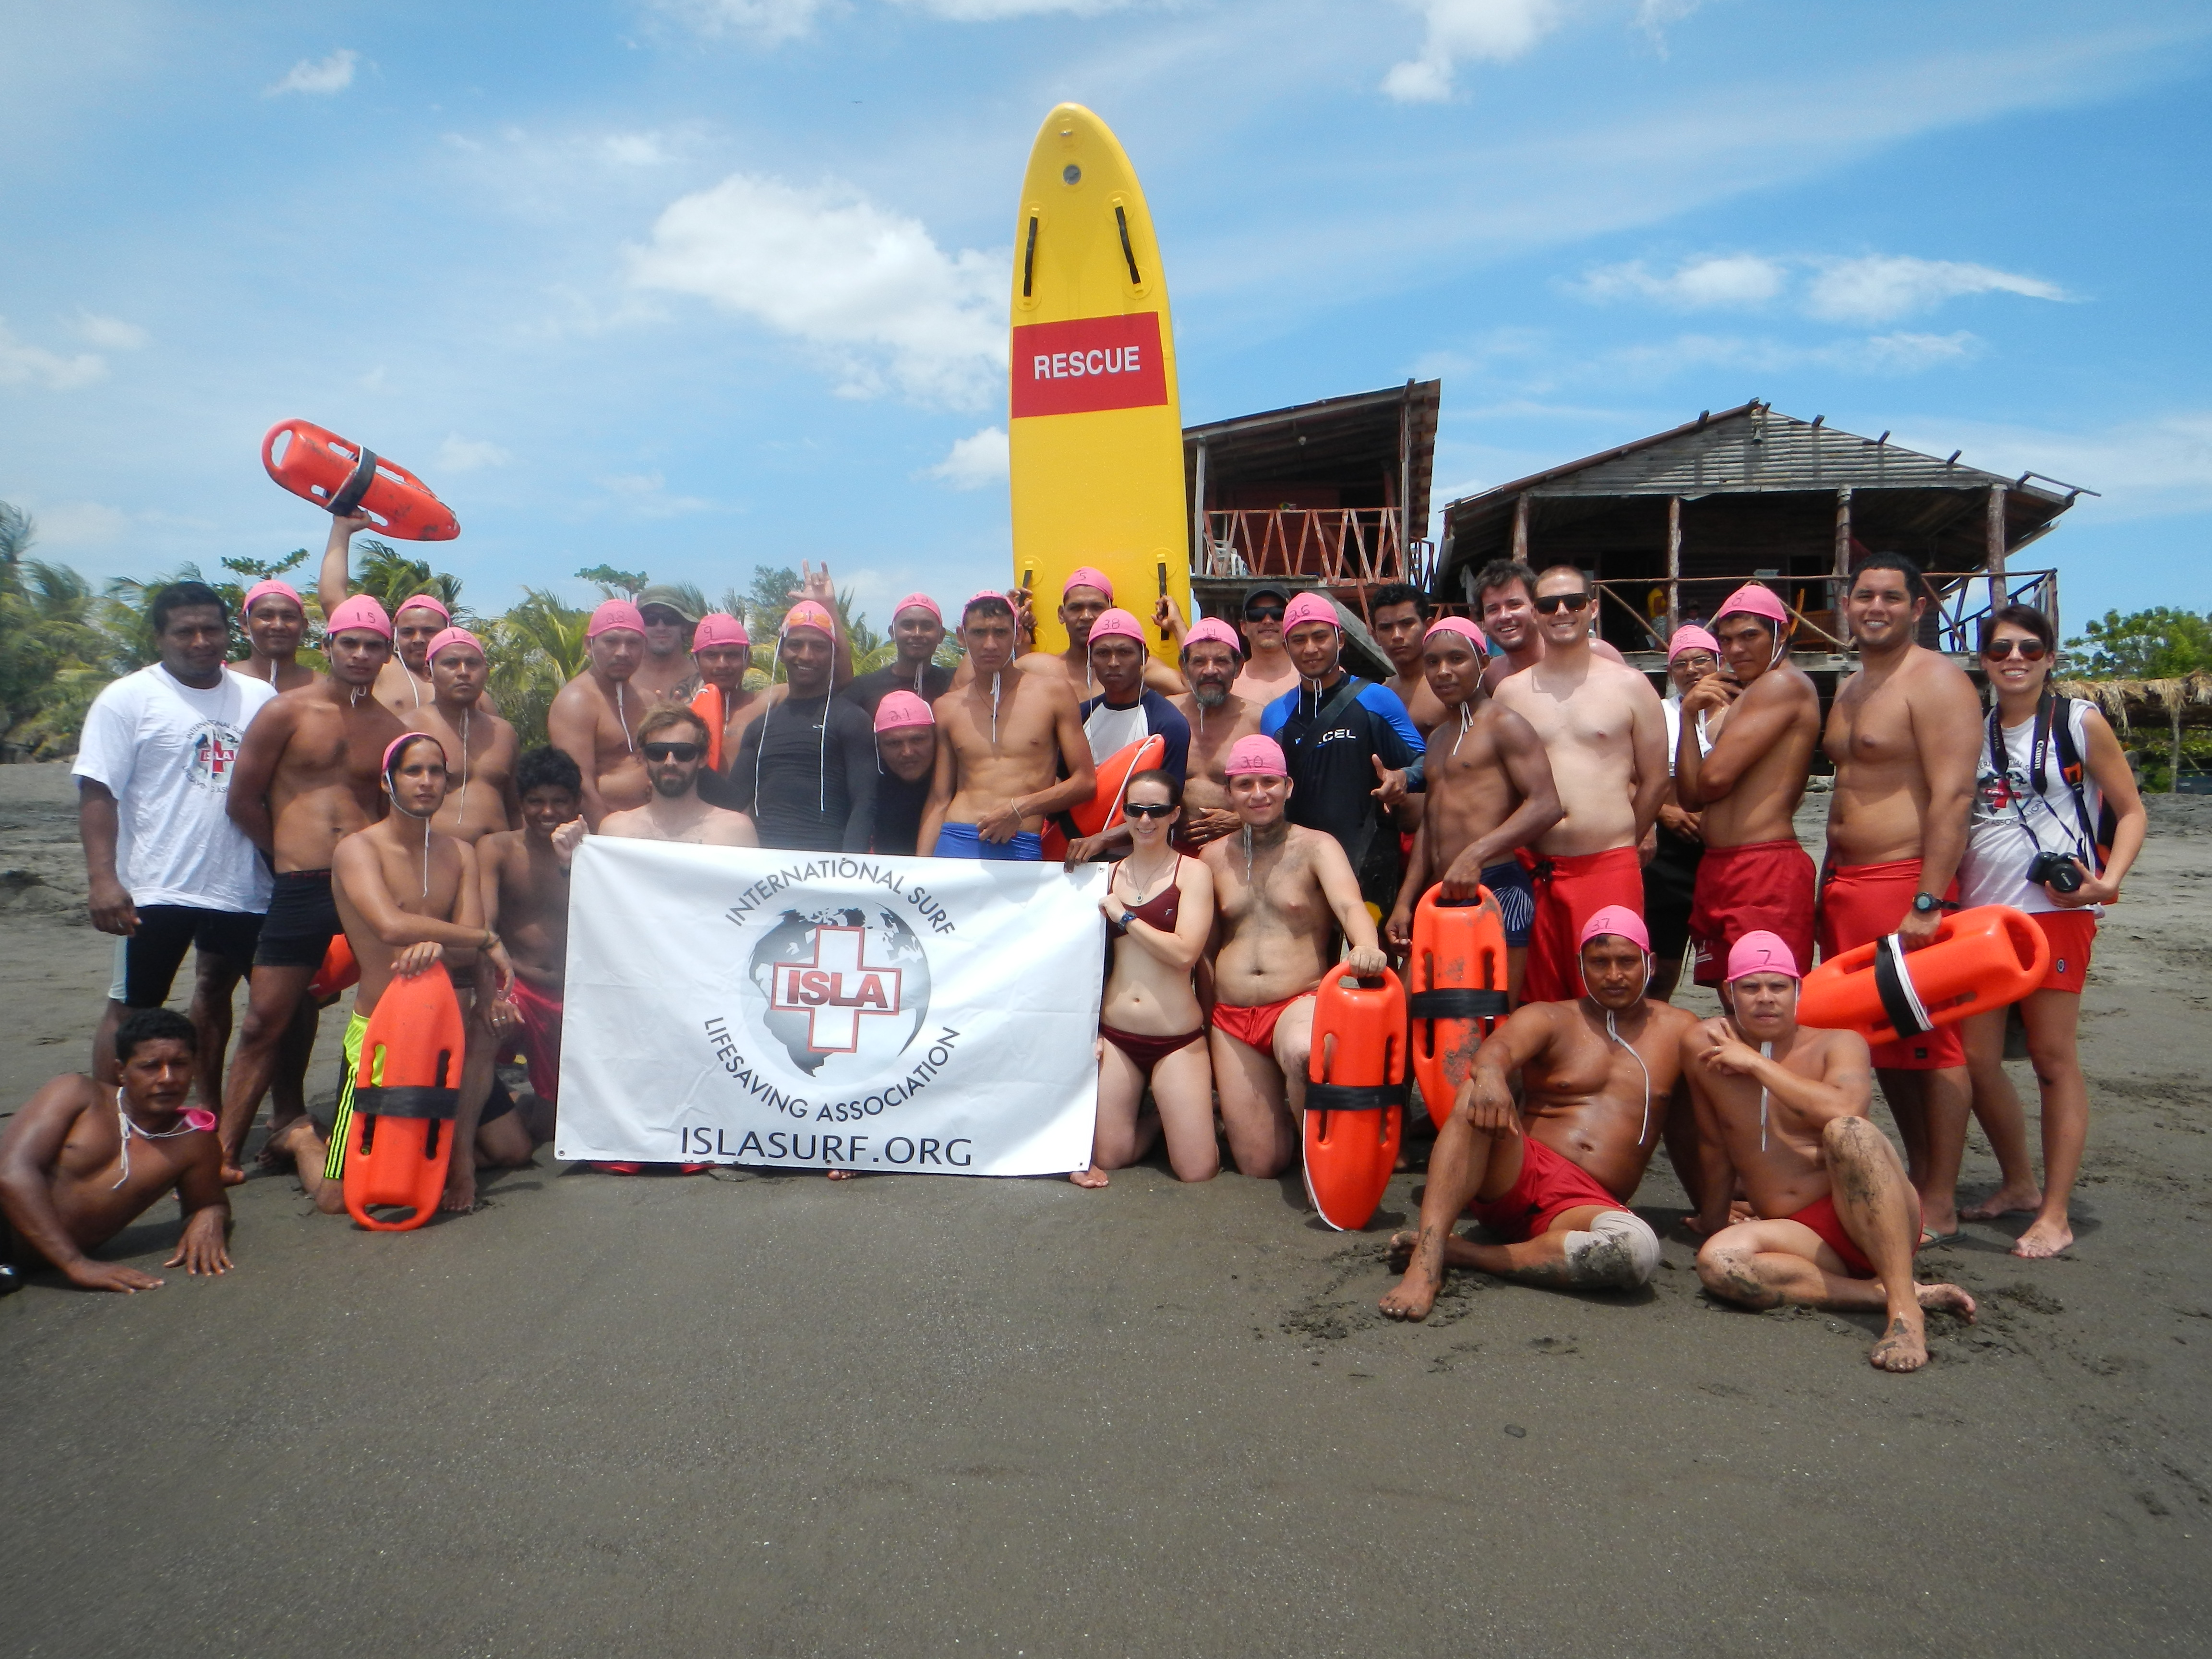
(1620, 1252)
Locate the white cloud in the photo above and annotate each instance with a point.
(2144, 469)
(1729, 279)
(974, 460)
(1486, 31)
(767, 21)
(81, 524)
(868, 289)
(647, 494)
(990, 11)
(30, 365)
(330, 75)
(459, 454)
(1882, 288)
(111, 332)
(1908, 354)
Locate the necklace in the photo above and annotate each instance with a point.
(1140, 880)
(193, 1121)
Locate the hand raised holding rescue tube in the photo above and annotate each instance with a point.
(350, 482)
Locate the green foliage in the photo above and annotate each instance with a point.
(53, 656)
(535, 648)
(392, 578)
(613, 583)
(763, 603)
(250, 571)
(2163, 643)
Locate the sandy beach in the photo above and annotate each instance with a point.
(907, 1415)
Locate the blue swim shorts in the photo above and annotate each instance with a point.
(1515, 894)
(960, 841)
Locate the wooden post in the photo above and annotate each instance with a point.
(1843, 583)
(2173, 784)
(1997, 547)
(1201, 554)
(1406, 487)
(1520, 529)
(1673, 564)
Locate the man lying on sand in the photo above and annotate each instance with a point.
(1837, 1220)
(1552, 1175)
(81, 1162)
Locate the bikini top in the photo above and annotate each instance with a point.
(1160, 910)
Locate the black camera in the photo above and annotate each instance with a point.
(2056, 872)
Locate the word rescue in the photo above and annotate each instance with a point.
(1073, 365)
(1088, 364)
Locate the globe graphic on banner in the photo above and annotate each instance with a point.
(843, 990)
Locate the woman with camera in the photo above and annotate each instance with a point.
(2056, 823)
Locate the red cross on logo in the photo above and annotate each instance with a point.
(834, 989)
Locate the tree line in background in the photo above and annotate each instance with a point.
(61, 641)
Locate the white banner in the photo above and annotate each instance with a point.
(732, 1006)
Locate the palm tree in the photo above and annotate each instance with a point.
(392, 578)
(535, 648)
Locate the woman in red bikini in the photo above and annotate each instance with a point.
(1159, 911)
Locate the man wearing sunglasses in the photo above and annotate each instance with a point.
(1605, 737)
(1505, 600)
(1268, 671)
(672, 742)
(1904, 733)
(667, 673)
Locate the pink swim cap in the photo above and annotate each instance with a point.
(1308, 608)
(424, 602)
(1691, 637)
(902, 708)
(392, 750)
(453, 637)
(1087, 575)
(264, 588)
(1117, 624)
(719, 628)
(1617, 919)
(1458, 625)
(1213, 629)
(1754, 599)
(1761, 952)
(360, 613)
(985, 596)
(921, 601)
(807, 613)
(1256, 757)
(612, 614)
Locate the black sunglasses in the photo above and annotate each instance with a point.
(657, 615)
(2030, 650)
(1147, 809)
(683, 752)
(1554, 602)
(1264, 612)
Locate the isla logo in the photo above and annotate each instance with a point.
(1091, 363)
(834, 989)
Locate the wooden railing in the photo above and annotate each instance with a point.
(1962, 601)
(1339, 546)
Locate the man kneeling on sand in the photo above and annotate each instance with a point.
(71, 1178)
(1785, 1107)
(1552, 1175)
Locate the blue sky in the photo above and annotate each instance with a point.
(689, 286)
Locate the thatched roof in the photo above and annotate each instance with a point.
(2153, 702)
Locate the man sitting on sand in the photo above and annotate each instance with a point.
(1837, 1220)
(411, 902)
(1283, 893)
(1552, 1175)
(523, 875)
(81, 1161)
(1003, 742)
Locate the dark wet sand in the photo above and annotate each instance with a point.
(906, 1416)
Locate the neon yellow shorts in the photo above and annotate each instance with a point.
(341, 1125)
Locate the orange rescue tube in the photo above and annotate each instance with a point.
(1103, 810)
(338, 475)
(338, 971)
(405, 1095)
(1980, 959)
(1456, 991)
(1355, 1095)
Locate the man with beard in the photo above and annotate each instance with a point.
(672, 742)
(591, 721)
(667, 672)
(1217, 718)
(917, 631)
(1268, 671)
(905, 750)
(481, 796)
(806, 769)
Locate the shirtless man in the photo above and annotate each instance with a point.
(1489, 793)
(412, 903)
(1670, 877)
(1217, 717)
(1783, 1109)
(1398, 616)
(666, 673)
(309, 774)
(483, 745)
(276, 623)
(1268, 670)
(82, 1160)
(1505, 597)
(1904, 734)
(594, 719)
(672, 742)
(1601, 725)
(1087, 595)
(1552, 1175)
(1754, 876)
(404, 683)
(1285, 893)
(722, 651)
(525, 881)
(1002, 742)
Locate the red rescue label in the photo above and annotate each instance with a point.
(1091, 363)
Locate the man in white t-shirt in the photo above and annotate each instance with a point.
(168, 869)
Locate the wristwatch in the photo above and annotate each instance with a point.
(1923, 902)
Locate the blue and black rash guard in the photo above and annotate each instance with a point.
(817, 787)
(1331, 738)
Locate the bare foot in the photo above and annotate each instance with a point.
(1401, 1250)
(1903, 1347)
(1088, 1178)
(840, 1175)
(2045, 1240)
(2006, 1200)
(1412, 1296)
(460, 1191)
(1945, 1298)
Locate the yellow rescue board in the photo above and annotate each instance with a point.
(1095, 425)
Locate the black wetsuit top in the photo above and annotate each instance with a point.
(898, 813)
(871, 689)
(818, 788)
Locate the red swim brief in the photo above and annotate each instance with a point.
(1569, 891)
(1740, 890)
(540, 1039)
(1551, 1184)
(1820, 1216)
(2071, 933)
(1863, 902)
(1254, 1027)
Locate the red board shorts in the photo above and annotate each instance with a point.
(1551, 1184)
(1820, 1215)
(1254, 1027)
(1741, 890)
(1569, 891)
(540, 1040)
(2071, 933)
(1863, 902)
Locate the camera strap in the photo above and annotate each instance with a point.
(2050, 710)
